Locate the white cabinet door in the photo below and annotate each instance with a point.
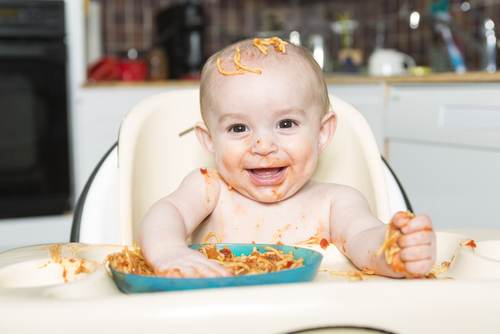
(444, 145)
(455, 186)
(96, 118)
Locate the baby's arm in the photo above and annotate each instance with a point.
(359, 234)
(171, 220)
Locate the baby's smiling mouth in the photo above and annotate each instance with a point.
(267, 176)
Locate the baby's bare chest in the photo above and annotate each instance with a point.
(239, 219)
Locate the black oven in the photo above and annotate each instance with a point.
(34, 151)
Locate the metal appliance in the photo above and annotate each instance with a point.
(34, 150)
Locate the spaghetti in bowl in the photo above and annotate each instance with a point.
(304, 270)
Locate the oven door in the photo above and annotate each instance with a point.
(34, 157)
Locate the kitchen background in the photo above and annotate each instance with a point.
(440, 131)
(385, 23)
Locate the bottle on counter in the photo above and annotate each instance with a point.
(158, 64)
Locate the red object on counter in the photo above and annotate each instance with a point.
(111, 68)
(106, 68)
(133, 70)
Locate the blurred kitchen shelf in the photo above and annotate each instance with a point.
(469, 77)
(332, 79)
(172, 83)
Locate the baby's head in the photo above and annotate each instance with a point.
(265, 130)
(297, 60)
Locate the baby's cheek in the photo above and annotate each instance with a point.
(305, 159)
(228, 157)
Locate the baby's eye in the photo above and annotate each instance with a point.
(286, 124)
(238, 128)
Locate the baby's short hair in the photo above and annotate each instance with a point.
(297, 57)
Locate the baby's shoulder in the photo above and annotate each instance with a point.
(203, 177)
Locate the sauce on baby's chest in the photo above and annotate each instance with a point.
(239, 219)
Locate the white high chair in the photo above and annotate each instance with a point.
(156, 150)
(152, 159)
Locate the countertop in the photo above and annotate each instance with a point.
(334, 79)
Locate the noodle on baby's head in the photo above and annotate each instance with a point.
(295, 59)
(279, 46)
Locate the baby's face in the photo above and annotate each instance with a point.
(265, 129)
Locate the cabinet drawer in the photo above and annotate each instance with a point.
(460, 114)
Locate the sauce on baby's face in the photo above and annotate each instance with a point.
(265, 133)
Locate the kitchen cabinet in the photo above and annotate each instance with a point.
(443, 142)
(96, 119)
(29, 231)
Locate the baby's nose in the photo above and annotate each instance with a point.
(264, 146)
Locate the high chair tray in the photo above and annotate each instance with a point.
(131, 283)
(35, 287)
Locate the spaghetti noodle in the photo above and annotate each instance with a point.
(274, 260)
(315, 240)
(469, 243)
(390, 246)
(129, 261)
(279, 46)
(391, 249)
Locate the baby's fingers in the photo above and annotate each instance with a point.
(401, 219)
(419, 268)
(424, 237)
(419, 223)
(416, 253)
(213, 269)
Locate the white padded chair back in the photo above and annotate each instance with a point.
(153, 158)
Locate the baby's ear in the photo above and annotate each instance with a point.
(326, 130)
(204, 137)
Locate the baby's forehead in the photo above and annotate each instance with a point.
(278, 69)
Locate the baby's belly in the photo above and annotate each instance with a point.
(268, 231)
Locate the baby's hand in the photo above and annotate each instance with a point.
(181, 261)
(417, 243)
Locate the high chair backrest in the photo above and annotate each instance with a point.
(156, 151)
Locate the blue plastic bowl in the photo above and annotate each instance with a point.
(131, 283)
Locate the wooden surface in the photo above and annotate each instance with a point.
(334, 79)
(429, 78)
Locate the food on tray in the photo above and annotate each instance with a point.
(71, 266)
(274, 260)
(469, 243)
(129, 261)
(212, 234)
(279, 46)
(439, 269)
(255, 263)
(315, 240)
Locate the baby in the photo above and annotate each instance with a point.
(266, 121)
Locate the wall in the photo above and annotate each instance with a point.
(131, 23)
